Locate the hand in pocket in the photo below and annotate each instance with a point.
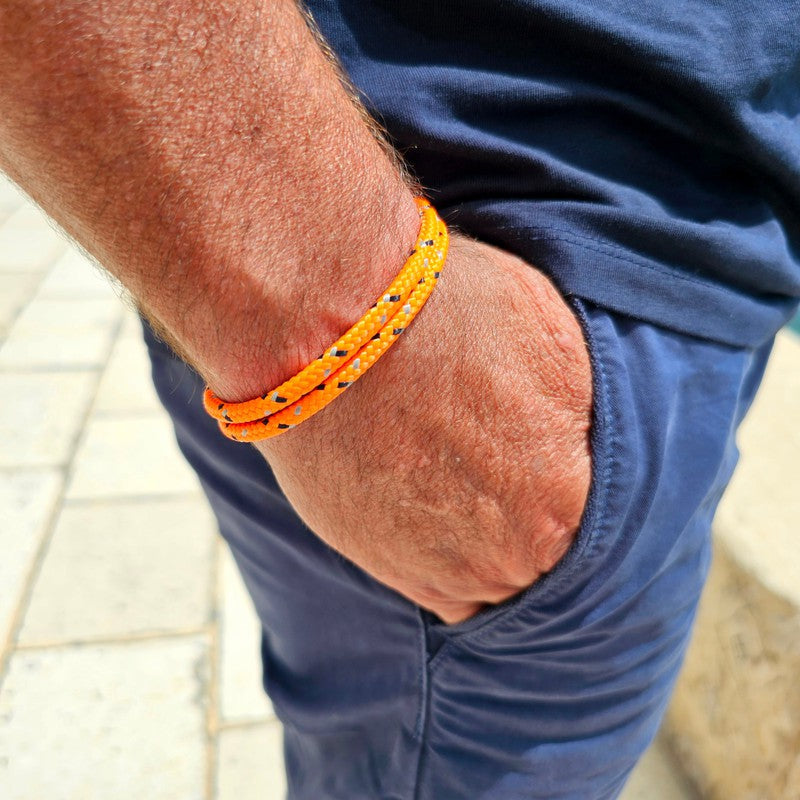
(457, 470)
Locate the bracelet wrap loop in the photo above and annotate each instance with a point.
(350, 356)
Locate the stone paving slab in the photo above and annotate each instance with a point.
(250, 764)
(28, 242)
(130, 455)
(41, 416)
(27, 500)
(735, 715)
(657, 776)
(16, 289)
(115, 721)
(759, 517)
(11, 197)
(121, 569)
(132, 326)
(734, 719)
(126, 385)
(61, 334)
(76, 276)
(242, 698)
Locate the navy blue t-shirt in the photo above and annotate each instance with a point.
(644, 154)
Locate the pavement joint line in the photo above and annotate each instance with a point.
(152, 413)
(53, 369)
(212, 692)
(122, 639)
(150, 497)
(246, 724)
(81, 431)
(24, 273)
(28, 296)
(95, 365)
(18, 615)
(670, 752)
(19, 469)
(128, 413)
(9, 646)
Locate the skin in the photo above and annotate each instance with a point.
(212, 158)
(461, 459)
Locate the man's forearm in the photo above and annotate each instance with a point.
(208, 156)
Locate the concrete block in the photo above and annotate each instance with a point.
(658, 776)
(124, 456)
(250, 765)
(58, 334)
(241, 694)
(75, 276)
(41, 415)
(16, 288)
(118, 569)
(29, 242)
(735, 718)
(114, 721)
(26, 503)
(126, 385)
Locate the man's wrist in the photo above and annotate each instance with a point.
(313, 304)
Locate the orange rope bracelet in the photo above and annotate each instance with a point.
(350, 356)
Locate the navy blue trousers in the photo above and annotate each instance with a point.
(553, 694)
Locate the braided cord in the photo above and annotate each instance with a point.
(428, 257)
(332, 359)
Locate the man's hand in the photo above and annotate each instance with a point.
(456, 471)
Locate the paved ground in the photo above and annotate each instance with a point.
(128, 648)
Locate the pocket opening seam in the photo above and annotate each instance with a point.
(604, 438)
